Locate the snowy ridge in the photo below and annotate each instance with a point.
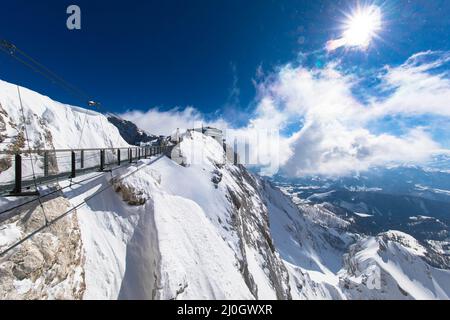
(397, 257)
(211, 243)
(50, 125)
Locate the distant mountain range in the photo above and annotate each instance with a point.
(411, 199)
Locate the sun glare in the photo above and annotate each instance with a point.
(362, 26)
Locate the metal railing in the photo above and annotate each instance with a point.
(21, 171)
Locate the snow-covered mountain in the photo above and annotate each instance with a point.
(398, 263)
(200, 228)
(414, 200)
(130, 132)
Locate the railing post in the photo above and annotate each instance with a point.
(73, 161)
(18, 174)
(82, 159)
(130, 151)
(102, 160)
(118, 157)
(139, 153)
(45, 163)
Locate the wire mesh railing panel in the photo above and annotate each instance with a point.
(124, 155)
(111, 157)
(7, 164)
(62, 163)
(89, 159)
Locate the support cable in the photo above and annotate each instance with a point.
(41, 69)
(31, 157)
(37, 67)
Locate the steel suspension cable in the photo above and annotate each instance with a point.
(31, 157)
(39, 68)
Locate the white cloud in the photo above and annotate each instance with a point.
(333, 149)
(328, 127)
(334, 138)
(159, 122)
(418, 88)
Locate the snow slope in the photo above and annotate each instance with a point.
(204, 248)
(53, 124)
(166, 231)
(50, 125)
(403, 274)
(312, 253)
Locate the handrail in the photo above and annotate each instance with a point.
(11, 152)
(75, 166)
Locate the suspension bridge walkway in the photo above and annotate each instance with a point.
(29, 169)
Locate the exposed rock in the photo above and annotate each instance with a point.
(50, 264)
(2, 123)
(130, 132)
(216, 177)
(130, 194)
(251, 221)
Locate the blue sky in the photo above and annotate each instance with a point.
(178, 53)
(219, 59)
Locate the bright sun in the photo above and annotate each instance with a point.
(361, 26)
